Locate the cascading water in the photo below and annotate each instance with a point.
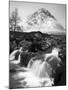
(38, 72)
(38, 67)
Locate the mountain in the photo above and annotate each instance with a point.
(42, 20)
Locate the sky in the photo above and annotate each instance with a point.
(27, 8)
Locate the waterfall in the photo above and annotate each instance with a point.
(39, 68)
(38, 71)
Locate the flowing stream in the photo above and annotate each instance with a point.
(38, 71)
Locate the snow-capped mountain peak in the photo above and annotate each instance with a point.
(42, 20)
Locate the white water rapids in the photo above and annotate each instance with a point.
(38, 71)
